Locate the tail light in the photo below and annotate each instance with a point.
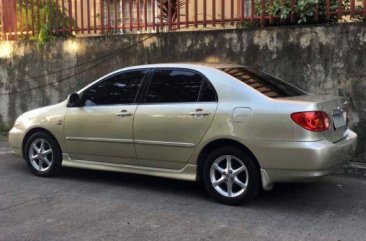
(312, 120)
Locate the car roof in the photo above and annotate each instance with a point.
(187, 65)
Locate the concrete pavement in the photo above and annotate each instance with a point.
(92, 205)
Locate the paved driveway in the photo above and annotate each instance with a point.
(91, 205)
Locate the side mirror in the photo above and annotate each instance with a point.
(74, 100)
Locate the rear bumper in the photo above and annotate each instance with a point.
(304, 161)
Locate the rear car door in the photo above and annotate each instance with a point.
(101, 130)
(177, 111)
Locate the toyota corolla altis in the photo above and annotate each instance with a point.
(235, 128)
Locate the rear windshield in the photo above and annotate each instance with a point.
(264, 83)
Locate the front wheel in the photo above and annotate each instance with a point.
(43, 154)
(231, 176)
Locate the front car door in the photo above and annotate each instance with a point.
(178, 109)
(101, 130)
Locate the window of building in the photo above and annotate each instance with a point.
(124, 13)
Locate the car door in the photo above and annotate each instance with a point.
(178, 109)
(101, 130)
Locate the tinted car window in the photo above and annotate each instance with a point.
(207, 93)
(118, 89)
(174, 86)
(264, 83)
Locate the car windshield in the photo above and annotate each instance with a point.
(264, 83)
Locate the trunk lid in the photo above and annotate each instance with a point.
(337, 109)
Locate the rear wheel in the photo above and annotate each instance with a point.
(43, 154)
(231, 176)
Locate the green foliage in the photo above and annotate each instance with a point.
(47, 11)
(303, 10)
(283, 10)
(45, 34)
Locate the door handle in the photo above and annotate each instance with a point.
(124, 113)
(199, 112)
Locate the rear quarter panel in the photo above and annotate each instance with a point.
(270, 119)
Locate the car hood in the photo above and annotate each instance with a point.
(46, 110)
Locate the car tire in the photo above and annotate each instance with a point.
(234, 183)
(43, 154)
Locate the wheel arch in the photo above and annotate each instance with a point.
(217, 144)
(35, 130)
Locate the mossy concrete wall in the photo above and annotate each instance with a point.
(319, 59)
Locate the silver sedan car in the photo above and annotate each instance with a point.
(235, 128)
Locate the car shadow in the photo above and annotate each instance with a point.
(134, 181)
(296, 196)
(336, 192)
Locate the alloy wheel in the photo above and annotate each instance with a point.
(229, 176)
(40, 155)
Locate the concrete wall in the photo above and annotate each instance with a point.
(319, 59)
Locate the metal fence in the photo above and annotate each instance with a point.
(27, 18)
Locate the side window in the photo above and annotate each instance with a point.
(207, 93)
(118, 89)
(174, 86)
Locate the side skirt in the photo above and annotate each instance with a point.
(188, 173)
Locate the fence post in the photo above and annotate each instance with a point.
(263, 9)
(340, 9)
(204, 13)
(327, 10)
(222, 13)
(187, 13)
(214, 13)
(145, 15)
(9, 18)
(252, 11)
(293, 3)
(138, 15)
(88, 15)
(232, 13)
(69, 5)
(195, 14)
(170, 15)
(352, 8)
(316, 12)
(241, 6)
(270, 12)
